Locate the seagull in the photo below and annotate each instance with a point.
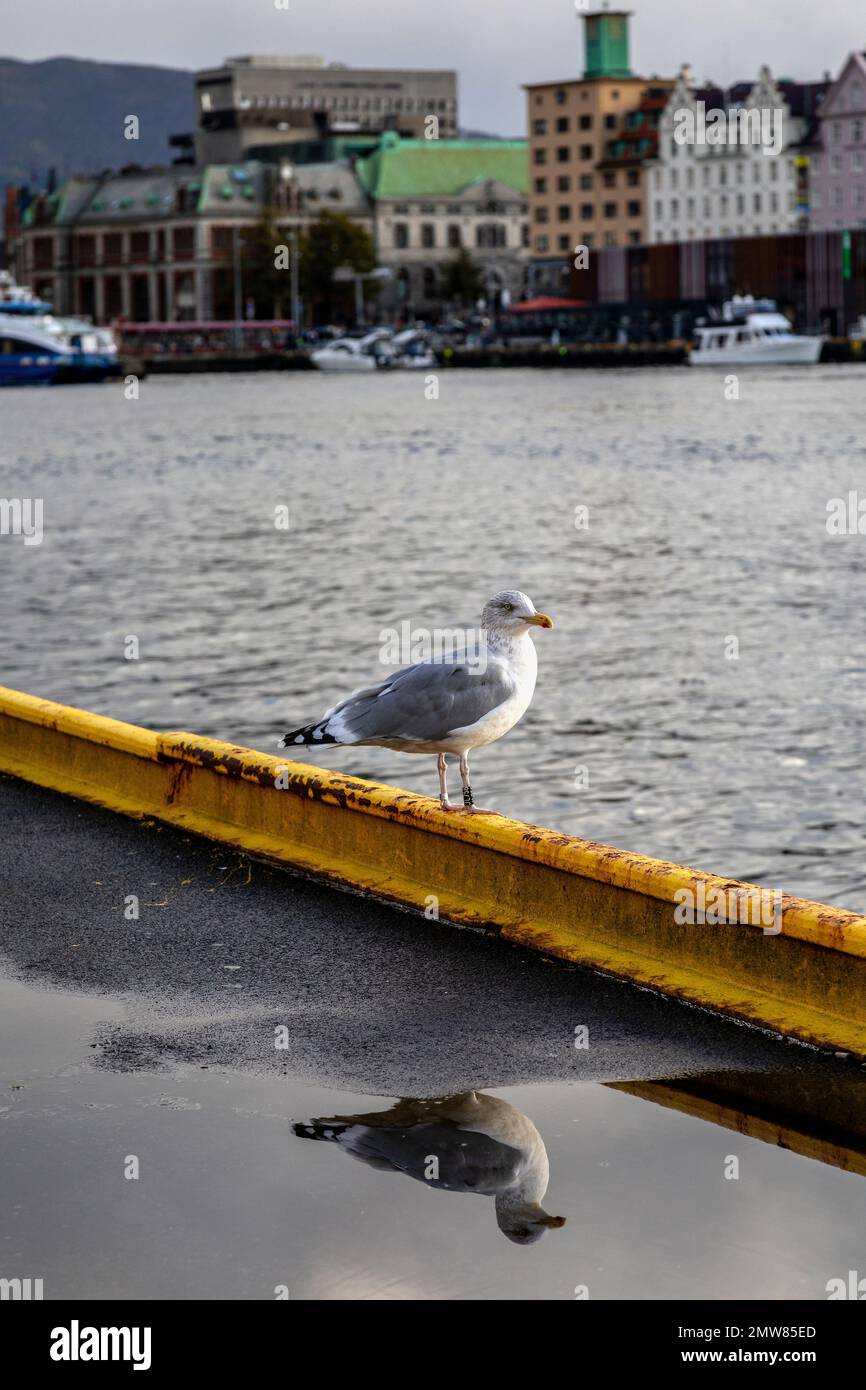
(449, 706)
(465, 1143)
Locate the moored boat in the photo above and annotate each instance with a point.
(36, 348)
(752, 333)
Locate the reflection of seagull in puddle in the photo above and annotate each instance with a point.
(466, 1143)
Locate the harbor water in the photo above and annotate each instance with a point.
(701, 697)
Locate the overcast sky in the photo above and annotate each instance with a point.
(495, 45)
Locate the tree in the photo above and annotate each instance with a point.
(333, 240)
(462, 281)
(265, 267)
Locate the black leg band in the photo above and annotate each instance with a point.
(467, 796)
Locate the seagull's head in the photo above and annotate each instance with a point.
(527, 1223)
(512, 612)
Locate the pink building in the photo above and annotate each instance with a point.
(837, 180)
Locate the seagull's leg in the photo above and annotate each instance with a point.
(468, 803)
(443, 785)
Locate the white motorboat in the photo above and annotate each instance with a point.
(353, 354)
(751, 333)
(412, 351)
(378, 350)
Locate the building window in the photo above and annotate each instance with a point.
(562, 154)
(562, 124)
(633, 208)
(610, 179)
(43, 253)
(857, 161)
(586, 180)
(610, 238)
(835, 164)
(586, 122)
(587, 212)
(428, 236)
(541, 215)
(835, 197)
(634, 238)
(586, 151)
(541, 243)
(112, 248)
(610, 209)
(632, 178)
(539, 127)
(86, 250)
(539, 156)
(401, 236)
(563, 213)
(610, 122)
(564, 242)
(836, 132)
(561, 96)
(183, 243)
(563, 183)
(540, 185)
(455, 240)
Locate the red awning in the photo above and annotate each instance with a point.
(547, 301)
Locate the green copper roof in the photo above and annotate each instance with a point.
(440, 168)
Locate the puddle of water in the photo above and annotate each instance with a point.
(229, 1203)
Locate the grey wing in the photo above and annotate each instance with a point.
(422, 703)
(466, 1160)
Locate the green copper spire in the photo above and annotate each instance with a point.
(605, 41)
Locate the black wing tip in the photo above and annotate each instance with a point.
(309, 736)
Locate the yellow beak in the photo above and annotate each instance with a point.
(540, 620)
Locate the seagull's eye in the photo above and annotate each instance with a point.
(507, 607)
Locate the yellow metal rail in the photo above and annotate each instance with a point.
(822, 1117)
(604, 908)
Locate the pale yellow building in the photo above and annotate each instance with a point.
(588, 140)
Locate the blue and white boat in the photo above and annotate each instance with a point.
(37, 348)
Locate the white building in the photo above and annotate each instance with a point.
(697, 191)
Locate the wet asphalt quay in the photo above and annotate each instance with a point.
(372, 999)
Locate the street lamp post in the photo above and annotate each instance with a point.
(344, 274)
(287, 173)
(238, 287)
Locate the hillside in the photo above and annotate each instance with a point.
(67, 114)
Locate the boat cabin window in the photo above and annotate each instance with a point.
(14, 345)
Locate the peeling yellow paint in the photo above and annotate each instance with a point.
(594, 905)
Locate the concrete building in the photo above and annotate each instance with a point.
(252, 104)
(588, 140)
(838, 158)
(433, 198)
(697, 191)
(161, 245)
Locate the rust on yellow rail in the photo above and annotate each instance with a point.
(604, 908)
